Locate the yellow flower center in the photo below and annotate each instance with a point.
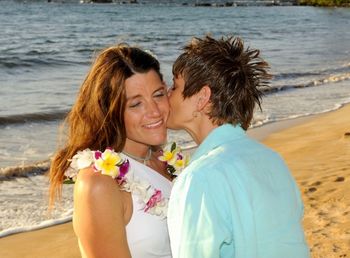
(168, 155)
(108, 163)
(179, 163)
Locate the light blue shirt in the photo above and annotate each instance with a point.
(236, 199)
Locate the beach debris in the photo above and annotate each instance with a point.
(312, 189)
(340, 179)
(316, 183)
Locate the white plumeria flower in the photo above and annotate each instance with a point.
(176, 161)
(169, 154)
(160, 209)
(82, 159)
(108, 162)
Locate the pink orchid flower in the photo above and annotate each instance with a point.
(155, 198)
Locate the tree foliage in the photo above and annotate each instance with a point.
(325, 2)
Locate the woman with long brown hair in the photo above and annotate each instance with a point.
(114, 130)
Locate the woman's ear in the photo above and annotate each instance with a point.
(203, 99)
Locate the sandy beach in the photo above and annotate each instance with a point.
(318, 153)
(317, 150)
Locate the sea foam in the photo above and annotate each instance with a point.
(24, 204)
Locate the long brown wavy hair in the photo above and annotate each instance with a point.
(96, 120)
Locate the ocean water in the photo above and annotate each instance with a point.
(46, 50)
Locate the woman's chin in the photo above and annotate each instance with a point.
(158, 141)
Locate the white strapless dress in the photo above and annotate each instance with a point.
(147, 234)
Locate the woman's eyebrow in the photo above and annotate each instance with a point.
(139, 95)
(134, 97)
(160, 88)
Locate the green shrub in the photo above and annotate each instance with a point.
(325, 2)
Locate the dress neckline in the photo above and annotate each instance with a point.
(147, 167)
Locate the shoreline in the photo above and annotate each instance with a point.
(290, 138)
(259, 133)
(262, 132)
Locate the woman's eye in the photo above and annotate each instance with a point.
(136, 104)
(160, 94)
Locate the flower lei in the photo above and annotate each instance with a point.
(175, 160)
(112, 164)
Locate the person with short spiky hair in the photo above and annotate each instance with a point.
(236, 198)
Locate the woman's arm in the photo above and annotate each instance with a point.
(99, 216)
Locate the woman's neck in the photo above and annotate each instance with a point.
(200, 130)
(137, 150)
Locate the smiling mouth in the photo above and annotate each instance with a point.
(154, 125)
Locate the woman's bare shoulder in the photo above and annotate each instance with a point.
(94, 183)
(99, 215)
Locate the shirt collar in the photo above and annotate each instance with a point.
(217, 137)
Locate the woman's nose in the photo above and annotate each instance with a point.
(153, 109)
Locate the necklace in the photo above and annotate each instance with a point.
(143, 160)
